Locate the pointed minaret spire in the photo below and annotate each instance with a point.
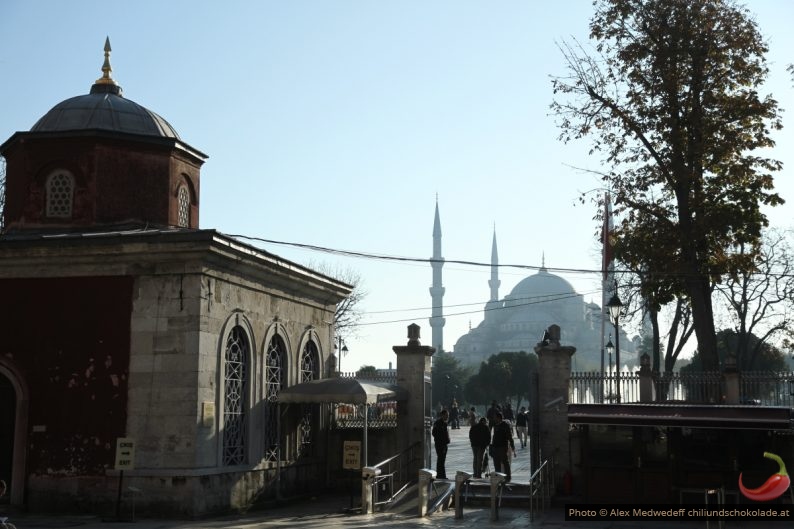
(437, 290)
(494, 281)
(543, 262)
(106, 83)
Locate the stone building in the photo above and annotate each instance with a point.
(122, 319)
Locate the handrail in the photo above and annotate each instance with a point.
(395, 473)
(541, 487)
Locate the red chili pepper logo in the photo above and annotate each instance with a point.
(775, 486)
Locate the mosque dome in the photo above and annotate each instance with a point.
(541, 284)
(104, 108)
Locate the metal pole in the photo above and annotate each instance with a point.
(617, 357)
(118, 498)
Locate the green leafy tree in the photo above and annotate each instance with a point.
(505, 376)
(448, 378)
(367, 371)
(769, 357)
(670, 99)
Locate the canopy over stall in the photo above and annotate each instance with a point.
(346, 391)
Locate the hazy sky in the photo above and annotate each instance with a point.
(336, 124)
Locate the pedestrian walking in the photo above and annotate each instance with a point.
(522, 426)
(454, 415)
(491, 414)
(473, 417)
(441, 439)
(480, 438)
(501, 443)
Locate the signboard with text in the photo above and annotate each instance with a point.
(351, 458)
(125, 453)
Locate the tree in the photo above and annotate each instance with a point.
(671, 103)
(769, 358)
(348, 313)
(760, 302)
(367, 371)
(448, 378)
(505, 376)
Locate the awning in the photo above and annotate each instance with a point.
(342, 390)
(683, 415)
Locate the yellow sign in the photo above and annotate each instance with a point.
(351, 458)
(125, 453)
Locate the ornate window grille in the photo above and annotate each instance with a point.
(310, 370)
(275, 377)
(183, 203)
(234, 400)
(60, 193)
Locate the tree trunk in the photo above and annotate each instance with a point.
(703, 320)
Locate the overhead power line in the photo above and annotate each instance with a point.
(385, 257)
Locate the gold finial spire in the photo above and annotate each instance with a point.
(106, 69)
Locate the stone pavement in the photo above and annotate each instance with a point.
(328, 512)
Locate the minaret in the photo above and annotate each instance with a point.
(494, 281)
(493, 305)
(437, 291)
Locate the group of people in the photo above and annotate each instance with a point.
(490, 435)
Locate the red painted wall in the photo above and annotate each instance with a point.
(71, 339)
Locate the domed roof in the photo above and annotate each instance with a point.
(541, 284)
(104, 108)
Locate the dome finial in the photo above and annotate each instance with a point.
(106, 84)
(106, 69)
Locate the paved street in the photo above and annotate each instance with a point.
(328, 512)
(460, 457)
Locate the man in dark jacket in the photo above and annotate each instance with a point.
(441, 439)
(491, 414)
(522, 426)
(500, 444)
(480, 438)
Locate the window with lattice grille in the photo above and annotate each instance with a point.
(60, 194)
(234, 399)
(275, 379)
(310, 370)
(183, 204)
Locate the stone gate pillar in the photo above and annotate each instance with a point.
(554, 374)
(414, 415)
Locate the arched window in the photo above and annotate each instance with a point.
(234, 398)
(60, 194)
(310, 370)
(183, 205)
(275, 378)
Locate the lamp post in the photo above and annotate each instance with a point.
(614, 307)
(610, 349)
(341, 348)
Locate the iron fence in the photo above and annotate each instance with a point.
(767, 388)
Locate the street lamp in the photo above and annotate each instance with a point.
(614, 307)
(342, 349)
(610, 349)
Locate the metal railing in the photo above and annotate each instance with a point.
(380, 415)
(395, 474)
(705, 387)
(541, 488)
(767, 388)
